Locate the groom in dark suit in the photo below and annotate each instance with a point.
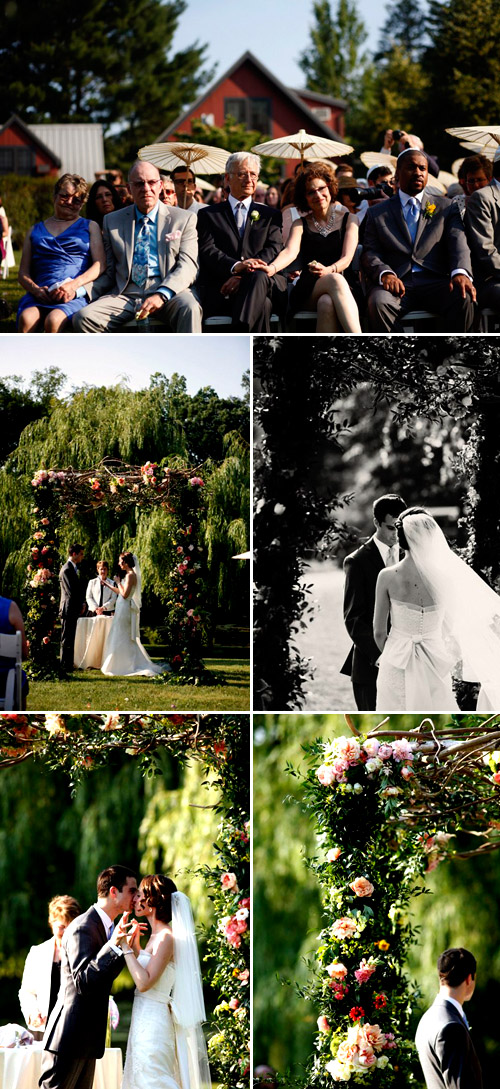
(443, 1041)
(361, 571)
(90, 961)
(72, 603)
(234, 237)
(415, 254)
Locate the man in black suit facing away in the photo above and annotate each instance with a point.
(443, 1041)
(235, 237)
(415, 254)
(361, 572)
(72, 603)
(90, 961)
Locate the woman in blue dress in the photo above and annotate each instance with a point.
(60, 256)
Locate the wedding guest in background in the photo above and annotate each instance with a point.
(185, 188)
(11, 621)
(100, 599)
(167, 191)
(102, 199)
(61, 255)
(42, 968)
(272, 197)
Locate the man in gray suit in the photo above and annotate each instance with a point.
(482, 224)
(443, 1041)
(151, 263)
(415, 254)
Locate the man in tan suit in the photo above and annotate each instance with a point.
(151, 256)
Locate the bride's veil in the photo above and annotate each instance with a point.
(471, 608)
(187, 995)
(137, 593)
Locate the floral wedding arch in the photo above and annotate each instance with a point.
(117, 486)
(81, 744)
(386, 806)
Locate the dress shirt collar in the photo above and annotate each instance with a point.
(104, 917)
(73, 563)
(152, 215)
(383, 549)
(233, 202)
(440, 998)
(495, 181)
(405, 197)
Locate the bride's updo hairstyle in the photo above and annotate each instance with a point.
(157, 891)
(402, 539)
(128, 558)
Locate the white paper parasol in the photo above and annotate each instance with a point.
(201, 158)
(301, 145)
(487, 136)
(378, 159)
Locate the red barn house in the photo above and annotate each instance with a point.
(253, 96)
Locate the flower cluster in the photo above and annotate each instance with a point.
(42, 582)
(365, 1046)
(377, 759)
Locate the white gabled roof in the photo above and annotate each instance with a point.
(80, 147)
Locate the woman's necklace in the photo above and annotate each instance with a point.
(325, 227)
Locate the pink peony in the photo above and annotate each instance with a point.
(339, 990)
(373, 1036)
(402, 750)
(348, 748)
(196, 481)
(336, 970)
(362, 887)
(365, 971)
(325, 775)
(228, 881)
(371, 747)
(406, 772)
(366, 1057)
(234, 1004)
(333, 854)
(323, 1024)
(384, 752)
(344, 928)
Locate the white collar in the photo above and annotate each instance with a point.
(383, 549)
(152, 215)
(448, 999)
(405, 197)
(233, 202)
(495, 181)
(104, 917)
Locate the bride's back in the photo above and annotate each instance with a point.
(405, 584)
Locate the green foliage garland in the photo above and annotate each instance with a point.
(42, 583)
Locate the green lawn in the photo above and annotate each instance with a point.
(12, 291)
(89, 690)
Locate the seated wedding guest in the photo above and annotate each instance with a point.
(217, 196)
(100, 599)
(61, 255)
(380, 175)
(415, 255)
(482, 224)
(185, 188)
(474, 172)
(326, 239)
(42, 968)
(236, 238)
(151, 254)
(272, 197)
(11, 621)
(102, 199)
(167, 191)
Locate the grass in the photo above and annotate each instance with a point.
(11, 291)
(89, 690)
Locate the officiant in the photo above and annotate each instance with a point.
(100, 599)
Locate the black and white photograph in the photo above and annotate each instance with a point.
(377, 571)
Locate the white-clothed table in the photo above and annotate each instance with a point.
(20, 1068)
(92, 634)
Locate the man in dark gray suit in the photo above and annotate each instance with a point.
(361, 573)
(415, 254)
(443, 1041)
(71, 605)
(90, 961)
(482, 224)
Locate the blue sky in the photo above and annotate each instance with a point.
(103, 360)
(277, 31)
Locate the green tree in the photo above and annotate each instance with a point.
(391, 95)
(404, 25)
(108, 61)
(333, 60)
(461, 62)
(18, 407)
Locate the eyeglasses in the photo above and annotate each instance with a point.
(245, 174)
(320, 189)
(69, 198)
(146, 185)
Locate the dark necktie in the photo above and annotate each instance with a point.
(101, 596)
(240, 218)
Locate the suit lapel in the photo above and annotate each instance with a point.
(400, 223)
(229, 214)
(99, 924)
(249, 223)
(423, 220)
(374, 555)
(162, 224)
(128, 235)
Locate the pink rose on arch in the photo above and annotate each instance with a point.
(365, 971)
(333, 854)
(371, 747)
(229, 881)
(406, 772)
(384, 752)
(339, 990)
(496, 777)
(373, 1036)
(340, 767)
(234, 1004)
(348, 748)
(362, 887)
(240, 926)
(337, 971)
(402, 750)
(344, 927)
(323, 1024)
(46, 639)
(196, 481)
(326, 775)
(390, 1041)
(366, 1057)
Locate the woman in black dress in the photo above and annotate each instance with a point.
(326, 239)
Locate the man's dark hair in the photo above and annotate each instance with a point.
(182, 170)
(380, 172)
(113, 876)
(390, 504)
(75, 548)
(473, 163)
(455, 965)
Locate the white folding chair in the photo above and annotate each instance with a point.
(11, 648)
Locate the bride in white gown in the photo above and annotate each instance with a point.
(166, 1047)
(125, 655)
(442, 614)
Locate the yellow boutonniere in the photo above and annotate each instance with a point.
(429, 210)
